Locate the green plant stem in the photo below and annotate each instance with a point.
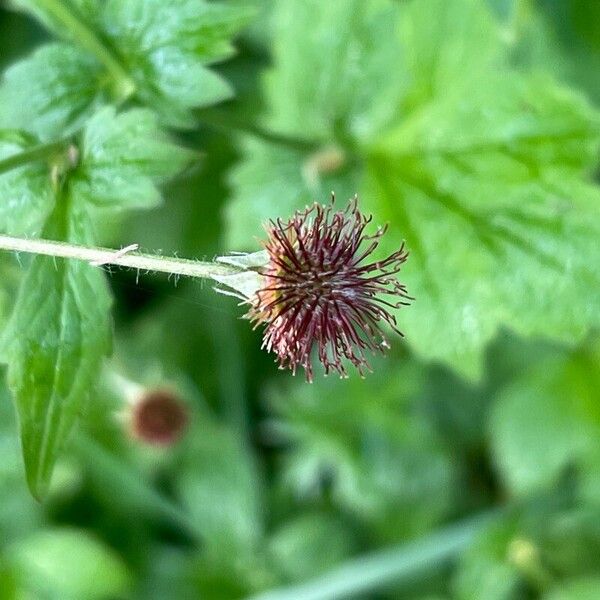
(395, 565)
(88, 40)
(34, 154)
(122, 258)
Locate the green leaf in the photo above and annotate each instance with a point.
(498, 181)
(68, 564)
(330, 57)
(123, 157)
(165, 46)
(545, 421)
(8, 583)
(447, 54)
(482, 170)
(51, 92)
(586, 588)
(53, 344)
(309, 545)
(220, 487)
(25, 192)
(19, 512)
(321, 88)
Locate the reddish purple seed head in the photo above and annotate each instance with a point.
(321, 290)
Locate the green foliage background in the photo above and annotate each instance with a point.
(467, 465)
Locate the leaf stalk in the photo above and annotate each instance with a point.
(36, 153)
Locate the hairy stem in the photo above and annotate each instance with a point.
(36, 153)
(126, 257)
(401, 564)
(88, 40)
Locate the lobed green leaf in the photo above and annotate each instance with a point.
(52, 92)
(499, 182)
(123, 158)
(163, 46)
(166, 45)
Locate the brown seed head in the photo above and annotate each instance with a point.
(158, 417)
(321, 290)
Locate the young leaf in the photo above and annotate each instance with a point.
(53, 344)
(123, 157)
(51, 92)
(25, 192)
(483, 171)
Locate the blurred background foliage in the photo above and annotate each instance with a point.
(276, 482)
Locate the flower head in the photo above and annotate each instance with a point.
(322, 290)
(158, 417)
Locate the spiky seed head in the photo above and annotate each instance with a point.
(323, 290)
